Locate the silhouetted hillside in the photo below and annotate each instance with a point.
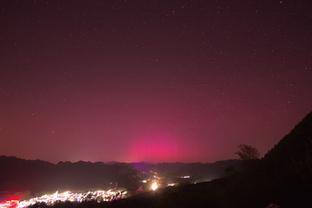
(37, 176)
(293, 154)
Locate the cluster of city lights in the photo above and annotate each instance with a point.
(50, 199)
(9, 204)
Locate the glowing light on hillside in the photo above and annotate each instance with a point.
(154, 186)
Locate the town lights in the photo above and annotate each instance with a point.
(9, 204)
(51, 199)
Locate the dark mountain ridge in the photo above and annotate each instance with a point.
(293, 154)
(38, 176)
(41, 176)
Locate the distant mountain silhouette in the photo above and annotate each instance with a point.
(41, 176)
(38, 176)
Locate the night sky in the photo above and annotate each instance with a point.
(151, 80)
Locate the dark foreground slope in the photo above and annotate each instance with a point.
(282, 177)
(293, 154)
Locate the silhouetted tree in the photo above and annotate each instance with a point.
(247, 152)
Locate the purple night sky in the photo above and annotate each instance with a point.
(153, 80)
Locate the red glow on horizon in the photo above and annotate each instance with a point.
(156, 148)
